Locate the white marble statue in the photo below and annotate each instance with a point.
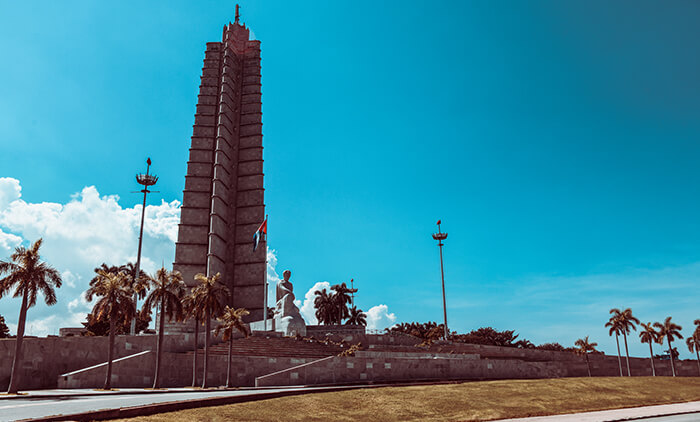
(287, 317)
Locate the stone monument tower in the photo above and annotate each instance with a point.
(223, 201)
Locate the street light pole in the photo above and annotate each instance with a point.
(440, 236)
(146, 180)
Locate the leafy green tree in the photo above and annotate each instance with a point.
(167, 291)
(668, 331)
(429, 331)
(614, 325)
(231, 320)
(649, 335)
(213, 296)
(584, 347)
(116, 304)
(554, 347)
(4, 330)
(28, 275)
(100, 327)
(490, 336)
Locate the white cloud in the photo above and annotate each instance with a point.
(79, 235)
(10, 191)
(69, 278)
(379, 318)
(306, 308)
(8, 242)
(272, 277)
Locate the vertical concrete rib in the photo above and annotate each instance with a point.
(223, 200)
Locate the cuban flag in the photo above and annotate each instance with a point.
(260, 234)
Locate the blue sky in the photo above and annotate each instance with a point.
(557, 141)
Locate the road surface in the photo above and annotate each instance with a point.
(52, 403)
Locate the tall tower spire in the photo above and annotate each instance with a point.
(238, 15)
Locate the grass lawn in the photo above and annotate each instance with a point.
(471, 401)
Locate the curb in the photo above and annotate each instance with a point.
(151, 409)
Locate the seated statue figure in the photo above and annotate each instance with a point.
(287, 317)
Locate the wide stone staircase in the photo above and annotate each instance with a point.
(274, 346)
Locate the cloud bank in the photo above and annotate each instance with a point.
(79, 235)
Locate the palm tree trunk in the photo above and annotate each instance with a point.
(228, 368)
(110, 352)
(159, 345)
(698, 356)
(17, 360)
(207, 324)
(627, 354)
(619, 355)
(670, 352)
(196, 346)
(588, 365)
(651, 358)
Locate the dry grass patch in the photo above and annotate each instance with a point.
(471, 401)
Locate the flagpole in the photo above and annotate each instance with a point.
(265, 282)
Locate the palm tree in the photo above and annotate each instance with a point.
(341, 298)
(614, 326)
(116, 305)
(231, 319)
(167, 292)
(668, 330)
(649, 335)
(139, 284)
(213, 296)
(357, 317)
(584, 348)
(693, 343)
(627, 321)
(192, 305)
(28, 275)
(323, 302)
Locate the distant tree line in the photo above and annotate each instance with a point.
(431, 331)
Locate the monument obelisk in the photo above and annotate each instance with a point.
(223, 200)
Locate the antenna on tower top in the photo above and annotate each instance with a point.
(238, 15)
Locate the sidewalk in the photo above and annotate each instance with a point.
(87, 392)
(631, 413)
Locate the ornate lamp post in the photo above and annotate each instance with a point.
(440, 236)
(145, 180)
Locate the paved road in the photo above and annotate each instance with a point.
(692, 417)
(690, 410)
(36, 407)
(65, 402)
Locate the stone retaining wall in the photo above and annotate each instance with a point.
(137, 371)
(44, 359)
(387, 368)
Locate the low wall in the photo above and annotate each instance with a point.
(44, 359)
(397, 367)
(137, 371)
(321, 331)
(388, 367)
